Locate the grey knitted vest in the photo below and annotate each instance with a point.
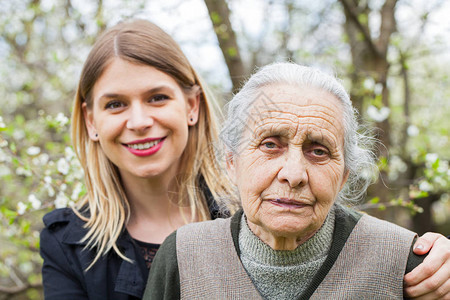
(371, 264)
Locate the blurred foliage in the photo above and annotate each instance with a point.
(42, 48)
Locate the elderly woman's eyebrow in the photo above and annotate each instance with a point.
(323, 139)
(273, 129)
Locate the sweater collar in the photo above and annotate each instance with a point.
(315, 247)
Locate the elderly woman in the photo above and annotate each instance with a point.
(294, 155)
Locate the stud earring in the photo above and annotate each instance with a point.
(96, 135)
(192, 119)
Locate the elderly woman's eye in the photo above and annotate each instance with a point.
(270, 145)
(319, 152)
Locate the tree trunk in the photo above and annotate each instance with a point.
(220, 17)
(369, 58)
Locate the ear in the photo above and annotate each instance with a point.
(344, 180)
(193, 106)
(89, 122)
(231, 166)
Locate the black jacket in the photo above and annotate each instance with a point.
(65, 261)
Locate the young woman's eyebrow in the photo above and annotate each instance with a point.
(158, 89)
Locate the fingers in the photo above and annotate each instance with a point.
(425, 242)
(431, 279)
(443, 292)
(439, 254)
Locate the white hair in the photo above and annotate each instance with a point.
(358, 157)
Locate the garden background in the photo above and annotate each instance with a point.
(393, 55)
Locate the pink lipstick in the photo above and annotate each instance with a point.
(145, 147)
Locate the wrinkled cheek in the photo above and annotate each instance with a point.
(251, 206)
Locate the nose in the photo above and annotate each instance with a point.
(139, 118)
(294, 169)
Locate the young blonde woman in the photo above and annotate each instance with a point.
(143, 128)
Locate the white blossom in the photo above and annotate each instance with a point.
(47, 179)
(431, 158)
(413, 130)
(397, 163)
(41, 160)
(23, 171)
(69, 153)
(378, 89)
(440, 181)
(378, 115)
(396, 166)
(369, 83)
(61, 119)
(62, 166)
(10, 231)
(425, 186)
(443, 166)
(33, 150)
(50, 190)
(76, 191)
(21, 208)
(2, 124)
(3, 156)
(26, 267)
(3, 143)
(61, 200)
(4, 170)
(35, 202)
(18, 134)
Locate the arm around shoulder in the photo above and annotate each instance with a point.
(164, 279)
(413, 259)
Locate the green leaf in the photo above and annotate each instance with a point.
(375, 200)
(215, 18)
(435, 165)
(362, 18)
(232, 51)
(20, 120)
(8, 213)
(421, 194)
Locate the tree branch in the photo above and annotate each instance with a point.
(353, 15)
(19, 289)
(387, 26)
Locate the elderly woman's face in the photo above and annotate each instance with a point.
(290, 167)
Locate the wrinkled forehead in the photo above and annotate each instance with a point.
(294, 106)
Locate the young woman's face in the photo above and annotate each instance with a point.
(140, 117)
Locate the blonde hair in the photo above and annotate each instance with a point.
(105, 208)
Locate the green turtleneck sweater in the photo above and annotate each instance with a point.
(284, 274)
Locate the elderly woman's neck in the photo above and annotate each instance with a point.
(279, 242)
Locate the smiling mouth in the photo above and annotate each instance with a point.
(144, 146)
(287, 203)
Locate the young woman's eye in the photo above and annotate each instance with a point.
(158, 98)
(114, 104)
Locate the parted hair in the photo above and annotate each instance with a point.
(105, 207)
(360, 160)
